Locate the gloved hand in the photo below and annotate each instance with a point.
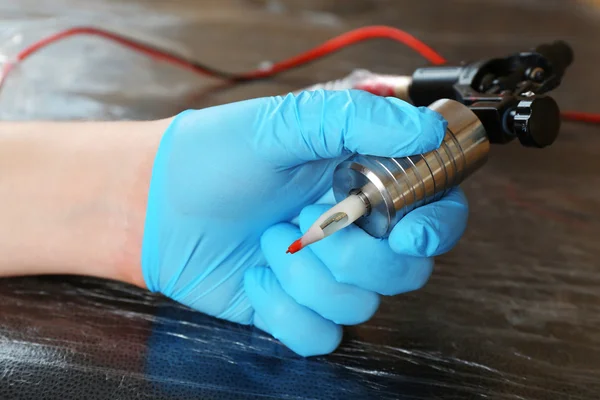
(227, 181)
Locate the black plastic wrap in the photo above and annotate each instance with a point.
(512, 313)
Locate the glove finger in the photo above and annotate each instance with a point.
(302, 330)
(433, 229)
(309, 282)
(323, 124)
(356, 258)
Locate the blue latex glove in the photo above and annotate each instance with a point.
(228, 180)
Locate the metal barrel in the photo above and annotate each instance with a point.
(393, 187)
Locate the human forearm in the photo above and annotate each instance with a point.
(72, 196)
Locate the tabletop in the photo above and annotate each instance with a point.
(513, 312)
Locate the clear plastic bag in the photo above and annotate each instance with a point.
(88, 77)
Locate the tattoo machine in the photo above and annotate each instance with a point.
(486, 102)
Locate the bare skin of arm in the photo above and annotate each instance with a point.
(73, 197)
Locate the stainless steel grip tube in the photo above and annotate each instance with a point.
(392, 187)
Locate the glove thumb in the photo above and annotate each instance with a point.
(331, 124)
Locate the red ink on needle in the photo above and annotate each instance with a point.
(294, 247)
(338, 217)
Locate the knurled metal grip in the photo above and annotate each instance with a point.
(393, 187)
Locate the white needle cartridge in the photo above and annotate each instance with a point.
(338, 217)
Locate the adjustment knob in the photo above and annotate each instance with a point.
(536, 122)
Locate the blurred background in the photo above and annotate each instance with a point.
(512, 313)
(88, 76)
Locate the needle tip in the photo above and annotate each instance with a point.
(294, 247)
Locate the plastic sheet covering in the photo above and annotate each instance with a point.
(512, 313)
(59, 82)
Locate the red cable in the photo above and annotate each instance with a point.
(577, 116)
(347, 39)
(148, 50)
(329, 47)
(132, 44)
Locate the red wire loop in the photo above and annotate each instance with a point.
(329, 47)
(347, 39)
